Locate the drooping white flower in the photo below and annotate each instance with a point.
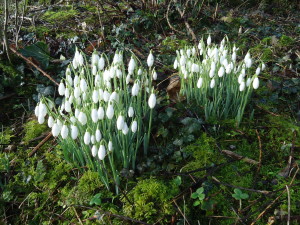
(188, 52)
(69, 79)
(98, 135)
(101, 152)
(95, 96)
(50, 122)
(68, 107)
(233, 57)
(248, 82)
(110, 111)
(257, 72)
(114, 97)
(76, 92)
(55, 130)
(135, 89)
(100, 113)
(130, 112)
(75, 63)
(94, 70)
(101, 63)
(82, 118)
(87, 138)
(76, 80)
(182, 61)
(119, 73)
(36, 110)
(83, 85)
(106, 96)
(134, 126)
(195, 68)
(209, 40)
(263, 66)
(131, 66)
(110, 146)
(61, 89)
(64, 131)
(248, 62)
(221, 71)
(77, 111)
(100, 95)
(94, 115)
(41, 119)
(80, 59)
(74, 132)
(125, 129)
(242, 86)
(95, 58)
(255, 83)
(67, 92)
(199, 82)
(120, 122)
(140, 72)
(212, 83)
(73, 119)
(42, 110)
(240, 78)
(152, 101)
(150, 59)
(94, 151)
(154, 75)
(175, 64)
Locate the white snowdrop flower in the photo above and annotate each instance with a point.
(55, 130)
(263, 66)
(106, 75)
(229, 68)
(201, 52)
(211, 73)
(118, 73)
(240, 78)
(134, 126)
(69, 80)
(94, 115)
(100, 94)
(101, 152)
(93, 140)
(50, 122)
(243, 72)
(67, 92)
(185, 73)
(61, 109)
(114, 97)
(152, 101)
(68, 71)
(248, 82)
(87, 138)
(100, 113)
(195, 68)
(154, 75)
(130, 112)
(95, 96)
(42, 110)
(111, 73)
(36, 110)
(82, 118)
(140, 72)
(110, 146)
(80, 59)
(212, 83)
(120, 122)
(150, 59)
(95, 58)
(116, 58)
(225, 62)
(188, 53)
(101, 63)
(131, 66)
(128, 79)
(255, 83)
(221, 71)
(175, 64)
(73, 119)
(84, 96)
(94, 70)
(233, 57)
(247, 56)
(59, 123)
(75, 63)
(242, 86)
(76, 81)
(182, 60)
(135, 89)
(94, 151)
(257, 72)
(193, 51)
(248, 63)
(110, 111)
(199, 82)
(64, 131)
(68, 106)
(200, 46)
(83, 85)
(77, 111)
(209, 40)
(78, 101)
(61, 89)
(106, 96)
(98, 135)
(41, 119)
(188, 65)
(74, 132)
(125, 129)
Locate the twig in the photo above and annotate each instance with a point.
(77, 215)
(289, 205)
(260, 150)
(33, 64)
(40, 144)
(181, 211)
(242, 188)
(239, 157)
(168, 21)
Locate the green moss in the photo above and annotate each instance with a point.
(59, 16)
(5, 136)
(33, 129)
(151, 200)
(285, 41)
(267, 41)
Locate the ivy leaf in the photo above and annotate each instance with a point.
(194, 195)
(96, 200)
(200, 190)
(201, 196)
(196, 203)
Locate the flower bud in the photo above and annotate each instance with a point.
(248, 82)
(242, 86)
(87, 138)
(175, 64)
(61, 89)
(110, 111)
(154, 75)
(120, 122)
(110, 146)
(212, 83)
(101, 152)
(152, 101)
(83, 85)
(150, 59)
(82, 118)
(125, 129)
(221, 71)
(41, 119)
(131, 66)
(100, 113)
(68, 107)
(98, 135)
(134, 126)
(209, 40)
(50, 121)
(130, 112)
(135, 89)
(94, 151)
(255, 83)
(94, 70)
(74, 132)
(257, 72)
(55, 130)
(195, 68)
(106, 96)
(101, 63)
(64, 132)
(94, 115)
(95, 96)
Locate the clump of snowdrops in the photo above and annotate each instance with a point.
(106, 113)
(213, 77)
